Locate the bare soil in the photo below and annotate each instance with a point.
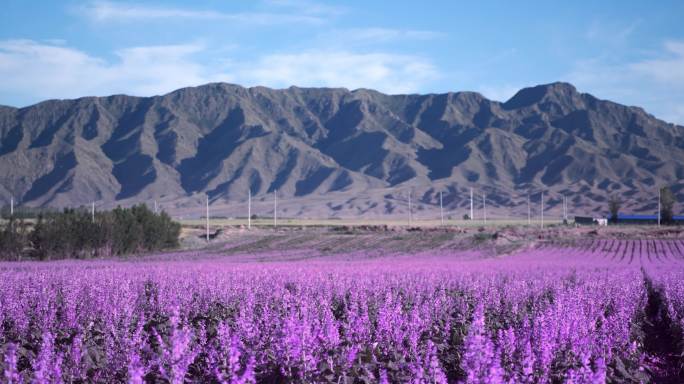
(346, 238)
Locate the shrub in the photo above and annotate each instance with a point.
(12, 239)
(614, 205)
(73, 233)
(667, 201)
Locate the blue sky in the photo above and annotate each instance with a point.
(629, 52)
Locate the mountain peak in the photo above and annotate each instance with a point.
(559, 92)
(217, 86)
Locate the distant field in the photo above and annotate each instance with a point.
(332, 222)
(360, 222)
(343, 236)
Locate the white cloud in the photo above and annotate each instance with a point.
(391, 73)
(28, 67)
(158, 69)
(383, 35)
(102, 11)
(105, 10)
(308, 7)
(33, 71)
(611, 32)
(654, 82)
(668, 69)
(675, 113)
(371, 38)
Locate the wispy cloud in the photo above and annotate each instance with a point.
(377, 35)
(33, 71)
(371, 38)
(391, 73)
(611, 32)
(103, 11)
(667, 69)
(308, 7)
(655, 82)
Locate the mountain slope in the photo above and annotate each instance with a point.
(334, 152)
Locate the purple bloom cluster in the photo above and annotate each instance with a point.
(607, 311)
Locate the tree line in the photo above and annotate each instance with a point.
(667, 202)
(76, 233)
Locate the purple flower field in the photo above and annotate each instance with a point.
(610, 311)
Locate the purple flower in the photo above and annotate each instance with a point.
(12, 375)
(480, 360)
(383, 377)
(47, 365)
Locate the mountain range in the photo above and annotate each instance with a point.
(331, 152)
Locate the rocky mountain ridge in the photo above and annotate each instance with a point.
(334, 152)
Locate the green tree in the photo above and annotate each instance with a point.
(614, 205)
(74, 233)
(667, 200)
(12, 239)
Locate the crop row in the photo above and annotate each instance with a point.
(544, 315)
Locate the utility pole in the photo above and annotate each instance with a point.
(659, 208)
(565, 210)
(207, 217)
(249, 208)
(542, 209)
(92, 212)
(409, 208)
(484, 208)
(155, 207)
(12, 206)
(529, 211)
(472, 215)
(275, 208)
(441, 209)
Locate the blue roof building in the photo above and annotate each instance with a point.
(643, 219)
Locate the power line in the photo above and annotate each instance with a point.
(659, 207)
(275, 208)
(484, 207)
(409, 208)
(441, 209)
(542, 209)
